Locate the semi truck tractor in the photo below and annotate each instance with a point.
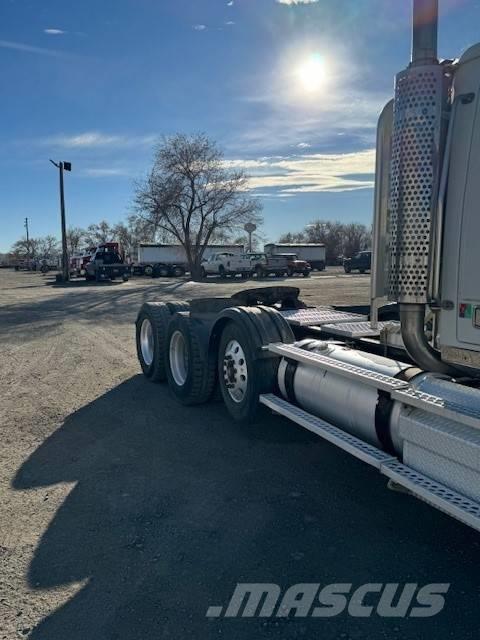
(396, 383)
(314, 254)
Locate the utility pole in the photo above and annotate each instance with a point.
(61, 166)
(28, 238)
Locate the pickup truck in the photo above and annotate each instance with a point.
(263, 265)
(361, 262)
(227, 264)
(294, 265)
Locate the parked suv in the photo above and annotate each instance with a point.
(361, 262)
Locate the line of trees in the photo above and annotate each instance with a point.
(129, 234)
(340, 239)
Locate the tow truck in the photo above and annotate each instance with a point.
(107, 263)
(396, 383)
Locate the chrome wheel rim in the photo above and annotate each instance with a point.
(178, 358)
(235, 372)
(147, 345)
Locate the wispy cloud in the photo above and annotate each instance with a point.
(230, 23)
(310, 173)
(94, 139)
(99, 172)
(230, 4)
(349, 115)
(199, 27)
(20, 46)
(296, 1)
(54, 32)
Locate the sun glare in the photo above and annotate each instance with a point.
(311, 73)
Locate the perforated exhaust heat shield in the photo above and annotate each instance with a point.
(418, 132)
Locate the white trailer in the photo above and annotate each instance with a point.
(314, 253)
(171, 259)
(408, 407)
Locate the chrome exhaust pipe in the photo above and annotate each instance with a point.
(412, 323)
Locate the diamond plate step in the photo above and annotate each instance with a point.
(370, 378)
(356, 329)
(319, 316)
(434, 493)
(366, 452)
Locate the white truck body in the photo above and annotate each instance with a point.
(175, 253)
(315, 254)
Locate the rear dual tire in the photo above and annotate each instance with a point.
(151, 337)
(191, 371)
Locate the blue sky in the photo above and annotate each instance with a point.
(290, 89)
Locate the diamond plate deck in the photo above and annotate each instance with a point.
(437, 405)
(356, 329)
(370, 378)
(319, 316)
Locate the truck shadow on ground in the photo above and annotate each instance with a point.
(172, 506)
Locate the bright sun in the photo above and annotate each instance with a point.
(311, 72)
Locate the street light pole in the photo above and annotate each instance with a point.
(67, 166)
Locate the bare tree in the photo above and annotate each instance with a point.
(75, 239)
(355, 238)
(338, 238)
(131, 234)
(292, 238)
(47, 248)
(99, 233)
(192, 196)
(330, 233)
(23, 249)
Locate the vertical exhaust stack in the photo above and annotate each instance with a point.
(417, 147)
(425, 32)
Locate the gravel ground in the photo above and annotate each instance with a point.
(125, 516)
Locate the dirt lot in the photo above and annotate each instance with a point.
(125, 516)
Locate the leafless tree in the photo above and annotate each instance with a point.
(99, 233)
(338, 238)
(47, 248)
(356, 237)
(44, 248)
(75, 239)
(193, 197)
(292, 238)
(131, 234)
(23, 249)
